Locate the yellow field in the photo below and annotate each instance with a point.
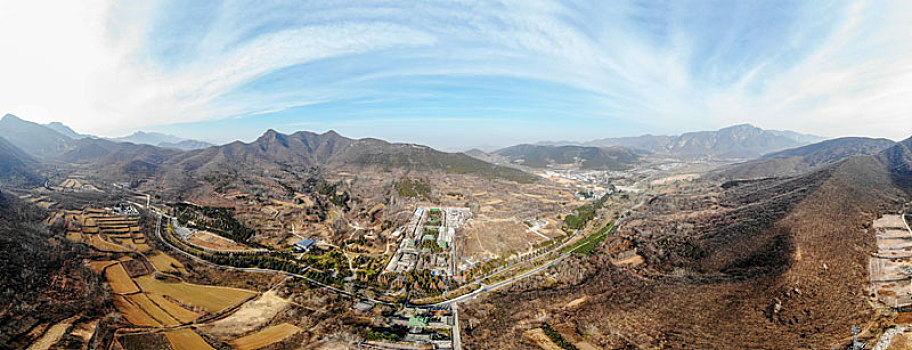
(74, 236)
(119, 280)
(142, 301)
(120, 240)
(133, 313)
(98, 266)
(97, 242)
(187, 339)
(265, 337)
(165, 263)
(181, 314)
(210, 298)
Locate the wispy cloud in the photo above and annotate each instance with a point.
(603, 68)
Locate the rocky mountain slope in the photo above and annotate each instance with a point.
(66, 130)
(771, 264)
(799, 160)
(33, 138)
(16, 167)
(43, 276)
(306, 149)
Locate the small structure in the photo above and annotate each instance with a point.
(304, 245)
(363, 306)
(418, 321)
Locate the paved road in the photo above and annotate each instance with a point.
(493, 287)
(903, 216)
(457, 332)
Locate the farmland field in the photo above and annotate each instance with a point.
(265, 337)
(74, 236)
(209, 298)
(96, 241)
(165, 263)
(181, 314)
(153, 310)
(187, 339)
(119, 280)
(249, 317)
(133, 313)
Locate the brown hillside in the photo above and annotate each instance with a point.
(776, 264)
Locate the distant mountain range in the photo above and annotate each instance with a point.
(11, 124)
(742, 141)
(65, 130)
(29, 143)
(162, 140)
(45, 143)
(799, 160)
(33, 138)
(582, 157)
(272, 152)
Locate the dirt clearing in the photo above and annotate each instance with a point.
(248, 317)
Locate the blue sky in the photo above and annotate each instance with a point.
(459, 74)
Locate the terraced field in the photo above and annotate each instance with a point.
(133, 313)
(209, 298)
(143, 302)
(181, 314)
(265, 337)
(104, 230)
(165, 263)
(187, 339)
(119, 280)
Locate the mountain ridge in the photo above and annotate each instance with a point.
(740, 141)
(802, 159)
(585, 157)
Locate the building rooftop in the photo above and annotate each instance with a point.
(418, 321)
(305, 243)
(363, 306)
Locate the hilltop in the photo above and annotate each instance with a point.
(587, 158)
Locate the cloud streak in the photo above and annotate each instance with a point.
(607, 69)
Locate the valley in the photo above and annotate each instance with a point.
(317, 241)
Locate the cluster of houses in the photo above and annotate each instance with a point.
(428, 241)
(427, 329)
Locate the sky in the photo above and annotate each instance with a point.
(459, 74)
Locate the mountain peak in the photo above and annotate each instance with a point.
(65, 130)
(11, 117)
(271, 134)
(741, 127)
